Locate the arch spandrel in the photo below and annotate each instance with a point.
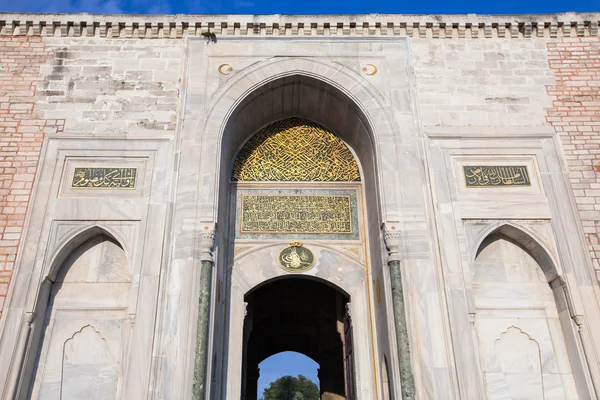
(348, 280)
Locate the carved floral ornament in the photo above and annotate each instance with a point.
(295, 150)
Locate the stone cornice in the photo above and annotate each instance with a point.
(416, 26)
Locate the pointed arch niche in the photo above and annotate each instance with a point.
(80, 332)
(527, 340)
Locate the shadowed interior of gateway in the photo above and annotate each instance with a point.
(305, 316)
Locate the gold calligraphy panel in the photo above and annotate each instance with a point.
(496, 175)
(296, 214)
(294, 150)
(104, 178)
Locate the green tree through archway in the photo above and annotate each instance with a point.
(291, 388)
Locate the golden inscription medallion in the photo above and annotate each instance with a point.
(104, 178)
(496, 175)
(296, 258)
(296, 214)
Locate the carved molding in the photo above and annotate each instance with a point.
(416, 26)
(393, 242)
(207, 241)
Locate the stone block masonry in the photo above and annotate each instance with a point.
(113, 88)
(82, 87)
(575, 114)
(22, 132)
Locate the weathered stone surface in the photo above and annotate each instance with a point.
(415, 98)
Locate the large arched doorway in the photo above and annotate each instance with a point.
(302, 315)
(298, 173)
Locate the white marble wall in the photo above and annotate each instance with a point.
(433, 105)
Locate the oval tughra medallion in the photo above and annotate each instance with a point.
(296, 258)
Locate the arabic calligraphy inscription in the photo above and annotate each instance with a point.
(295, 149)
(104, 178)
(296, 214)
(496, 175)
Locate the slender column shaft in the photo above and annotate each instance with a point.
(394, 242)
(200, 374)
(199, 387)
(406, 376)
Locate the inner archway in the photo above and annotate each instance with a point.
(301, 315)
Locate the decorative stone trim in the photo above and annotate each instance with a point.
(393, 241)
(469, 26)
(207, 241)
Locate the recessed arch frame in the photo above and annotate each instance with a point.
(371, 107)
(581, 353)
(378, 118)
(25, 352)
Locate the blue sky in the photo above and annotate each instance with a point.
(298, 7)
(286, 363)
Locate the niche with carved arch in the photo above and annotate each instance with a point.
(522, 346)
(84, 332)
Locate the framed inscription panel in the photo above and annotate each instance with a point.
(103, 176)
(478, 175)
(323, 214)
(295, 213)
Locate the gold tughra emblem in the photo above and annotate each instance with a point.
(296, 258)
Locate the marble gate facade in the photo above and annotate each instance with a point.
(474, 269)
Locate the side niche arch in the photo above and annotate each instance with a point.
(524, 238)
(519, 294)
(76, 238)
(86, 295)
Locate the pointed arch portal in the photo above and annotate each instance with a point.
(299, 159)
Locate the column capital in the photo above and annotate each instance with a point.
(393, 241)
(207, 241)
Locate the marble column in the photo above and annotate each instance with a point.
(392, 241)
(207, 239)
